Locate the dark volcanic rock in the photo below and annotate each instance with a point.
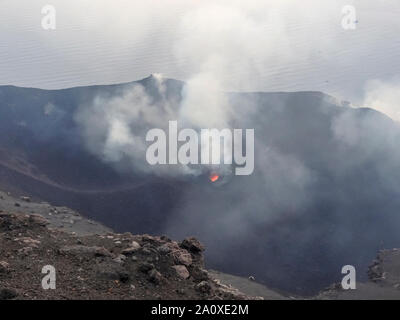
(85, 250)
(204, 287)
(145, 267)
(155, 276)
(193, 245)
(7, 294)
(112, 271)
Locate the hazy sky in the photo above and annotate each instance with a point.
(245, 45)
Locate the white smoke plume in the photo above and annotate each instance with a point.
(114, 128)
(383, 96)
(220, 45)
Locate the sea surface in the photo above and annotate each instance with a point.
(102, 42)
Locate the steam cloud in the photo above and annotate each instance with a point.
(223, 45)
(383, 96)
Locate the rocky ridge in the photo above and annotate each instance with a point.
(101, 266)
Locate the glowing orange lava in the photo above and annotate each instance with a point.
(214, 177)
